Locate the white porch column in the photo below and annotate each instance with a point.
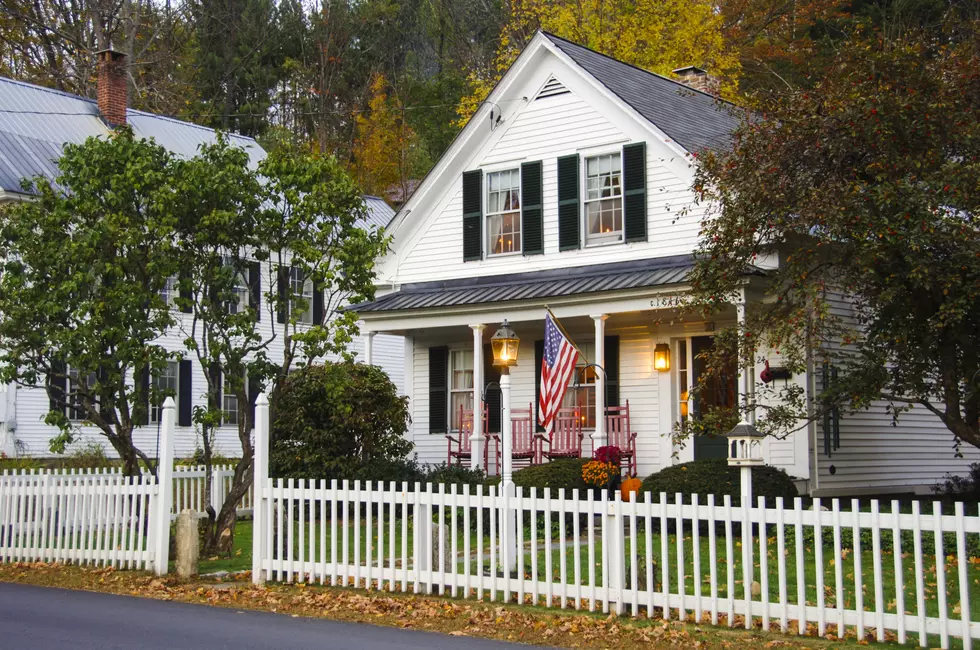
(369, 348)
(476, 439)
(746, 382)
(599, 435)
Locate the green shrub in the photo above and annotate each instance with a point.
(340, 421)
(714, 476)
(458, 474)
(564, 473)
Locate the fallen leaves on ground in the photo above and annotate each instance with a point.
(511, 622)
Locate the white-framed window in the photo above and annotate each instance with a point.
(240, 290)
(604, 199)
(460, 384)
(170, 292)
(685, 376)
(229, 401)
(165, 381)
(583, 395)
(504, 212)
(301, 290)
(73, 384)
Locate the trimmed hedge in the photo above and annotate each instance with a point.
(714, 476)
(563, 473)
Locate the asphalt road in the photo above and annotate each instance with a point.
(40, 618)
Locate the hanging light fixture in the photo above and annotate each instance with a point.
(505, 344)
(661, 357)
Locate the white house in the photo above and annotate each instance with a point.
(35, 123)
(571, 189)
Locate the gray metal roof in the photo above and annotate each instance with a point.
(379, 212)
(36, 122)
(693, 119)
(534, 285)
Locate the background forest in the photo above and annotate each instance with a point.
(386, 84)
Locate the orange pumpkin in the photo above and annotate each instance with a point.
(628, 486)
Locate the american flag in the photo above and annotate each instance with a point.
(557, 367)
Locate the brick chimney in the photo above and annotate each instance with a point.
(698, 79)
(113, 87)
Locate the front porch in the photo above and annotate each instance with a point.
(616, 396)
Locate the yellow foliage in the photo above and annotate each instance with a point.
(386, 147)
(656, 35)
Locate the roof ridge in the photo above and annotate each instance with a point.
(170, 118)
(53, 91)
(656, 75)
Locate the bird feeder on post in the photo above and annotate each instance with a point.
(745, 451)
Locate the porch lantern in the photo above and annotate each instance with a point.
(661, 357)
(505, 344)
(745, 446)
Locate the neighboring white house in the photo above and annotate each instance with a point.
(35, 123)
(570, 188)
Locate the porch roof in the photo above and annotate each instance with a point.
(534, 285)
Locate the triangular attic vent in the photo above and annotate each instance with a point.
(551, 89)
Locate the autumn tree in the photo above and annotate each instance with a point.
(656, 35)
(386, 152)
(865, 186)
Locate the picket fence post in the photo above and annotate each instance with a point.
(164, 499)
(260, 476)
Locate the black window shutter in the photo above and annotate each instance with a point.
(184, 399)
(538, 358)
(438, 389)
(105, 412)
(611, 350)
(532, 213)
(317, 303)
(184, 292)
(635, 191)
(472, 215)
(254, 388)
(215, 378)
(57, 386)
(255, 288)
(282, 286)
(491, 375)
(143, 418)
(569, 203)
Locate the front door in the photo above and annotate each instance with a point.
(718, 392)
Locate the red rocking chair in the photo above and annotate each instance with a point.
(525, 441)
(459, 442)
(619, 434)
(566, 434)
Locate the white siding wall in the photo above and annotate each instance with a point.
(876, 453)
(429, 245)
(32, 403)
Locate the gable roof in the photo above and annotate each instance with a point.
(36, 123)
(692, 118)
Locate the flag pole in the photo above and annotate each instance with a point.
(562, 328)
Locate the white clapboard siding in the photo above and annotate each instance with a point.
(878, 453)
(546, 130)
(609, 555)
(31, 403)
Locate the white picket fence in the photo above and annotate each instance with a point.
(189, 482)
(826, 571)
(85, 518)
(100, 518)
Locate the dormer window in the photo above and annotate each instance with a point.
(504, 212)
(603, 199)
